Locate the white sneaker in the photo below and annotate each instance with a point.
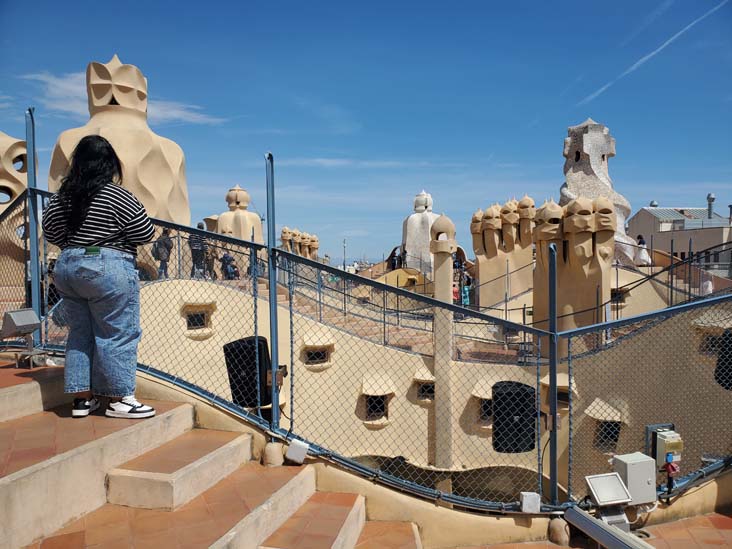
(83, 407)
(129, 408)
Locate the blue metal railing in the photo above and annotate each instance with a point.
(273, 426)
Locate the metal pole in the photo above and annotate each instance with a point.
(272, 272)
(653, 257)
(383, 309)
(180, 259)
(35, 275)
(344, 254)
(553, 443)
(688, 271)
(671, 276)
(320, 296)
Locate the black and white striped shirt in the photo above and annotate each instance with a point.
(116, 219)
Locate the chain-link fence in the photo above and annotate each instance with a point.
(13, 256)
(430, 397)
(673, 367)
(434, 395)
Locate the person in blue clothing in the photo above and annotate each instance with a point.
(98, 225)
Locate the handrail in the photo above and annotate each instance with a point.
(676, 309)
(429, 301)
(10, 208)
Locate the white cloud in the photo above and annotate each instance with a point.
(648, 21)
(66, 94)
(643, 60)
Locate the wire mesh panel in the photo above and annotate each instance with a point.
(13, 256)
(203, 313)
(430, 395)
(673, 367)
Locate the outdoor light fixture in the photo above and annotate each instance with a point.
(610, 494)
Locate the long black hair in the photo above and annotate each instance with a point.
(94, 164)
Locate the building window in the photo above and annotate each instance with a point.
(707, 257)
(197, 320)
(485, 411)
(709, 345)
(376, 407)
(426, 391)
(607, 434)
(683, 255)
(317, 355)
(716, 257)
(563, 396)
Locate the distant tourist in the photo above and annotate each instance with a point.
(198, 246)
(161, 252)
(641, 257)
(465, 296)
(211, 263)
(228, 267)
(98, 226)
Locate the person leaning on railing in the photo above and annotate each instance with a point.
(98, 226)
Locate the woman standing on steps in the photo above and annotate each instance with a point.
(98, 226)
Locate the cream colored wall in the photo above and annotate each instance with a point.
(643, 223)
(701, 239)
(661, 376)
(658, 372)
(646, 224)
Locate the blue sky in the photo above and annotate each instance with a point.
(365, 104)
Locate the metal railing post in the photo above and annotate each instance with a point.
(397, 302)
(180, 259)
(553, 443)
(383, 310)
(272, 274)
(255, 298)
(688, 272)
(320, 296)
(35, 278)
(671, 276)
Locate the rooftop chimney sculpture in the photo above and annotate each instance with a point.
(587, 149)
(415, 247)
(153, 167)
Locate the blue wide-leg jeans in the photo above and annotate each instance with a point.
(101, 301)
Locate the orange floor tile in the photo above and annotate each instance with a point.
(180, 452)
(10, 375)
(197, 524)
(31, 439)
(316, 524)
(713, 530)
(387, 535)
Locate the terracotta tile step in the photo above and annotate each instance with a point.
(240, 510)
(326, 520)
(389, 535)
(175, 473)
(50, 456)
(24, 392)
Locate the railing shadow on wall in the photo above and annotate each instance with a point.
(366, 376)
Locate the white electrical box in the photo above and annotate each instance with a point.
(638, 473)
(668, 447)
(530, 503)
(297, 451)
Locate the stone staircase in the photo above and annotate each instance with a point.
(159, 482)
